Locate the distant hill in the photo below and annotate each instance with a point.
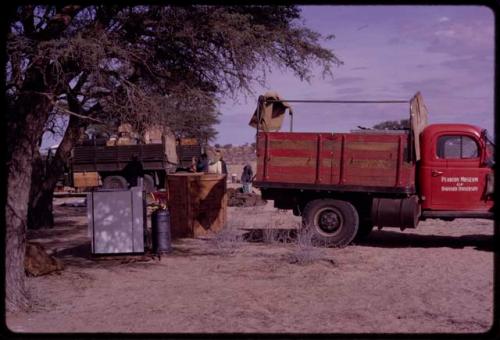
(236, 156)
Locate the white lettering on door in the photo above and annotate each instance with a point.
(459, 184)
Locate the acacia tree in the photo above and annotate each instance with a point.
(136, 64)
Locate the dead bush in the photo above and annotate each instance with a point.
(276, 236)
(38, 262)
(305, 252)
(227, 241)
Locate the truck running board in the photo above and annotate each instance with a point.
(457, 214)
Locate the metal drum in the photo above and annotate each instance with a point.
(160, 224)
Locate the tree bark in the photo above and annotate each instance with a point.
(40, 206)
(46, 175)
(22, 138)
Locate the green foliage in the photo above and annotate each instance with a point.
(393, 125)
(144, 64)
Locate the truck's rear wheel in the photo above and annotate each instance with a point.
(115, 182)
(331, 222)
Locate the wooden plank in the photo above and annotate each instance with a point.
(86, 179)
(291, 153)
(318, 178)
(399, 162)
(292, 144)
(266, 156)
(372, 146)
(342, 160)
(292, 161)
(386, 181)
(371, 164)
(374, 155)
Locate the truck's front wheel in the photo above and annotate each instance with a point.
(331, 222)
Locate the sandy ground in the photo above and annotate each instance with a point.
(437, 278)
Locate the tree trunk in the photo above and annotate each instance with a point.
(46, 175)
(22, 137)
(40, 206)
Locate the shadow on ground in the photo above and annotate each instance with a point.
(270, 235)
(80, 255)
(383, 239)
(394, 239)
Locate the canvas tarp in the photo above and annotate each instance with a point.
(418, 120)
(271, 114)
(170, 143)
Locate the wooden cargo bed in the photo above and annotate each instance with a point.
(337, 161)
(114, 158)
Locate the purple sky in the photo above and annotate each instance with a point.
(389, 52)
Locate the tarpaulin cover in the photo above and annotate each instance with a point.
(170, 143)
(271, 114)
(418, 120)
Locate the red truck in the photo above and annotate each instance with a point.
(344, 184)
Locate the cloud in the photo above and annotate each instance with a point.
(459, 38)
(436, 86)
(359, 68)
(445, 33)
(349, 90)
(443, 19)
(394, 41)
(345, 80)
(476, 64)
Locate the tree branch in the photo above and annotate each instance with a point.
(63, 110)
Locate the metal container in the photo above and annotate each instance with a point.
(160, 225)
(116, 221)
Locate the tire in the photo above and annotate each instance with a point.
(115, 182)
(149, 183)
(364, 230)
(331, 223)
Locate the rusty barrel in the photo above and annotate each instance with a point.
(197, 203)
(160, 225)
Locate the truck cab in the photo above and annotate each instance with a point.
(455, 173)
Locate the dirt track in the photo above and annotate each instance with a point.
(437, 278)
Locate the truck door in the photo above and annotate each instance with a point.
(456, 178)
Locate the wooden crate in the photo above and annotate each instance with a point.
(86, 179)
(197, 204)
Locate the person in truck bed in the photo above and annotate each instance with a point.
(133, 170)
(202, 165)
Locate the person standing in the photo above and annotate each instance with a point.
(194, 162)
(133, 170)
(223, 165)
(247, 178)
(202, 165)
(218, 166)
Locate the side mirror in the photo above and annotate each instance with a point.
(490, 163)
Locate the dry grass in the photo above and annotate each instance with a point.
(305, 252)
(279, 230)
(227, 241)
